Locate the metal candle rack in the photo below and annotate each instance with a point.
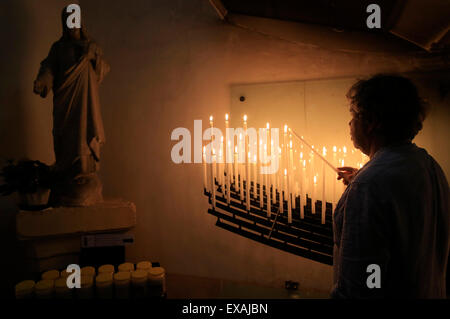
(307, 237)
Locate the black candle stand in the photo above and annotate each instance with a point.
(306, 237)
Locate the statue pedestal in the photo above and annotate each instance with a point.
(52, 238)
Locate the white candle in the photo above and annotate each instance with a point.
(335, 179)
(283, 191)
(213, 160)
(228, 177)
(235, 164)
(205, 173)
(291, 173)
(323, 187)
(247, 166)
(241, 170)
(213, 186)
(226, 164)
(314, 192)
(220, 161)
(303, 194)
(255, 170)
(260, 176)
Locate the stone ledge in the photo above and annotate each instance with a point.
(111, 215)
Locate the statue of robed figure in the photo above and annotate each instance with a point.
(74, 69)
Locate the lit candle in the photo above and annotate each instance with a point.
(213, 184)
(255, 170)
(205, 173)
(314, 192)
(260, 176)
(303, 194)
(227, 156)
(324, 203)
(247, 166)
(219, 163)
(241, 170)
(335, 163)
(228, 178)
(283, 191)
(247, 183)
(213, 160)
(291, 173)
(235, 164)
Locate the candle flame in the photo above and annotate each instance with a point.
(240, 136)
(324, 151)
(285, 128)
(315, 179)
(304, 163)
(285, 172)
(249, 157)
(235, 149)
(290, 144)
(267, 125)
(334, 149)
(226, 117)
(344, 149)
(221, 139)
(301, 155)
(245, 118)
(342, 162)
(211, 118)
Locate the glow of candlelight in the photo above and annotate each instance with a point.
(312, 147)
(245, 118)
(226, 117)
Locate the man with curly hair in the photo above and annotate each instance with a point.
(394, 213)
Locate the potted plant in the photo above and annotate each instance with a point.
(30, 179)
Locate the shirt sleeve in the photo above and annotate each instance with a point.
(364, 252)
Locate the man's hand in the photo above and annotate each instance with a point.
(346, 173)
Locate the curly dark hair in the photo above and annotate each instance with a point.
(393, 102)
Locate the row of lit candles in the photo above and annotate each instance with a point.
(298, 172)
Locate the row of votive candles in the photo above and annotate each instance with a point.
(300, 171)
(128, 282)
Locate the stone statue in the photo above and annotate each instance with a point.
(74, 69)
